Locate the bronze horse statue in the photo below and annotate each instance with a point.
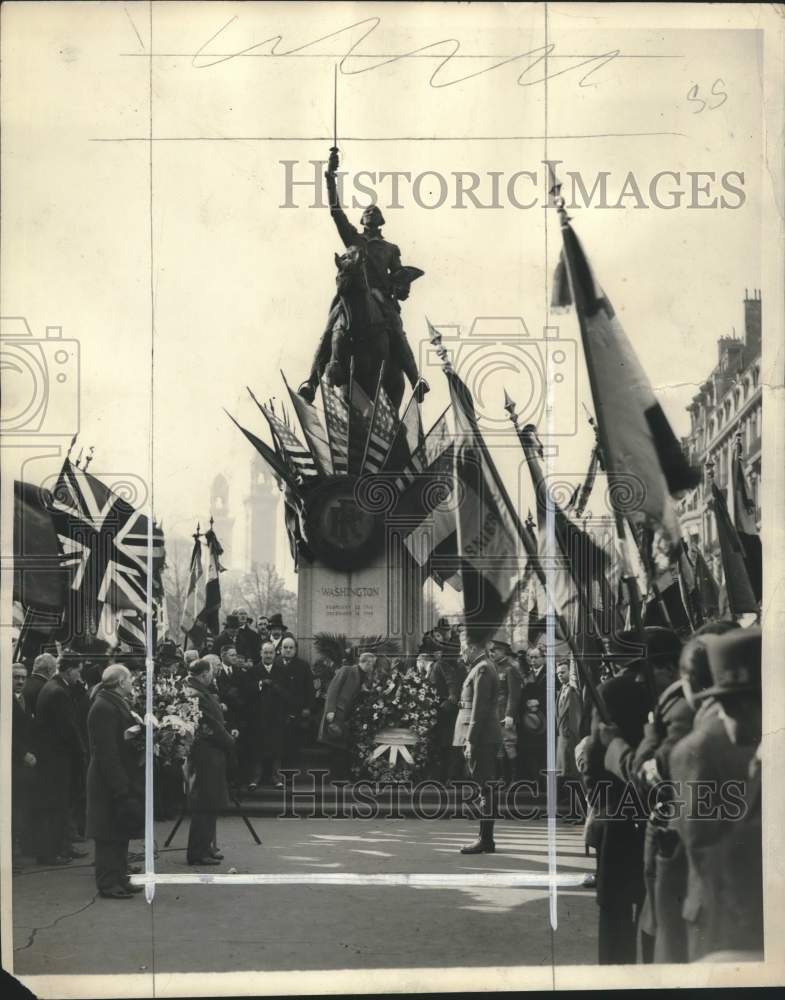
(364, 332)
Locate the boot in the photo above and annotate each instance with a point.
(485, 844)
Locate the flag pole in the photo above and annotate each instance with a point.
(527, 444)
(630, 583)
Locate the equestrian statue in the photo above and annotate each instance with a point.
(364, 328)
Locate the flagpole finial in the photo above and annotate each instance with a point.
(89, 458)
(509, 406)
(441, 351)
(709, 466)
(556, 196)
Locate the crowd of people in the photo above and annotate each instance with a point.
(660, 765)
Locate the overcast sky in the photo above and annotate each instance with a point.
(241, 285)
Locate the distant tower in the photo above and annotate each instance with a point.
(262, 513)
(223, 521)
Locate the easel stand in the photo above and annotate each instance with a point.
(185, 812)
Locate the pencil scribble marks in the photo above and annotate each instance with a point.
(370, 24)
(136, 30)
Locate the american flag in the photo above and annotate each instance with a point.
(298, 455)
(105, 545)
(381, 434)
(336, 414)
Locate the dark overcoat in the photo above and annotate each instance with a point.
(60, 748)
(272, 709)
(207, 785)
(342, 695)
(116, 770)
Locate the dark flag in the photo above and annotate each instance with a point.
(642, 457)
(742, 513)
(740, 594)
(209, 615)
(195, 574)
(107, 546)
(40, 581)
(408, 436)
(707, 591)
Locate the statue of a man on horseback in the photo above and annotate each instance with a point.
(364, 323)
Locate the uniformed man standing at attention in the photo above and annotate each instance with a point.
(477, 730)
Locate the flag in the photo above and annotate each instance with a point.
(313, 432)
(741, 597)
(707, 591)
(105, 544)
(582, 493)
(195, 574)
(360, 418)
(208, 616)
(642, 458)
(296, 455)
(40, 580)
(408, 436)
(336, 414)
(276, 463)
(436, 442)
(381, 433)
(490, 540)
(575, 568)
(741, 510)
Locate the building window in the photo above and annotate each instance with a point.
(755, 378)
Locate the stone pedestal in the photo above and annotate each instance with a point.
(382, 599)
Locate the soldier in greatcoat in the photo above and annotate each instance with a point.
(477, 731)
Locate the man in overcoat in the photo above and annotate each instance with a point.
(61, 754)
(619, 832)
(342, 696)
(296, 684)
(115, 781)
(477, 730)
(208, 791)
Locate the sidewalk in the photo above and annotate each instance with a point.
(61, 928)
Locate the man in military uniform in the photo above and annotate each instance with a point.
(477, 731)
(389, 282)
(508, 704)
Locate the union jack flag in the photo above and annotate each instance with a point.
(106, 545)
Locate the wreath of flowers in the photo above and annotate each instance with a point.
(176, 718)
(406, 700)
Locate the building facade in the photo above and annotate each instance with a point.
(729, 403)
